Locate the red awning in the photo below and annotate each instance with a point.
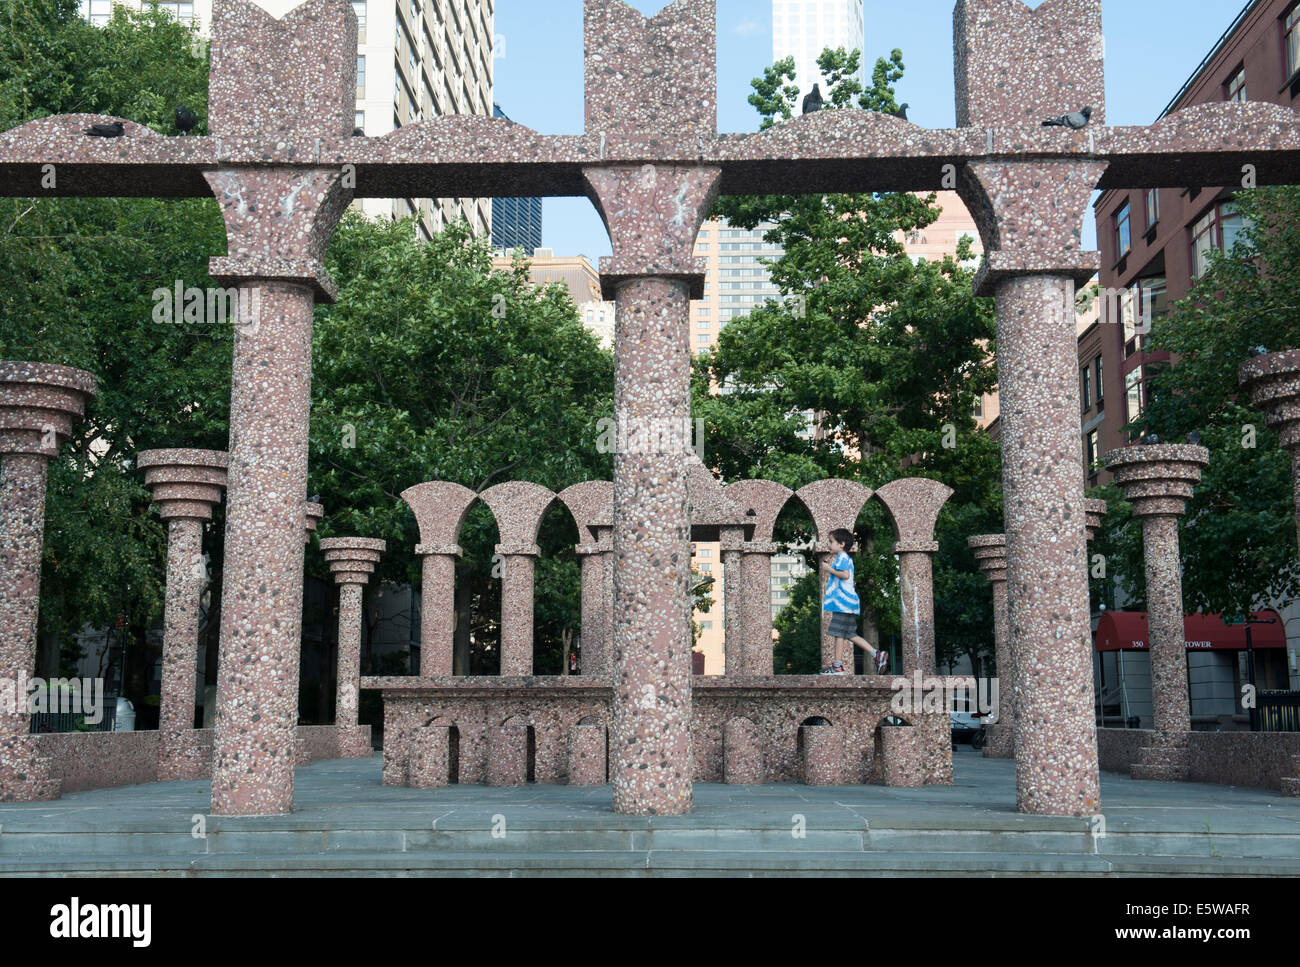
(1127, 631)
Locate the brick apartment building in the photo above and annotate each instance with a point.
(1155, 243)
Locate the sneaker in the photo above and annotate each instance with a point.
(882, 662)
(828, 671)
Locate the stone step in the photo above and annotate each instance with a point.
(655, 863)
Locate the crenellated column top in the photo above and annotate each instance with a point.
(352, 560)
(312, 514)
(1094, 513)
(991, 555)
(1158, 479)
(39, 403)
(185, 484)
(1273, 381)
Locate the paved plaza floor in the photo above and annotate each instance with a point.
(345, 822)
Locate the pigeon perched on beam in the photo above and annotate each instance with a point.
(902, 111)
(114, 130)
(813, 102)
(1258, 351)
(1074, 121)
(185, 119)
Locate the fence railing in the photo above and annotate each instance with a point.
(73, 721)
(1278, 711)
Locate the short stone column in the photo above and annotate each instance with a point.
(733, 613)
(756, 605)
(595, 630)
(1273, 382)
(518, 562)
(440, 509)
(587, 755)
(351, 560)
(1158, 480)
(901, 758)
(914, 504)
(742, 753)
(507, 755)
(39, 404)
(834, 505)
(823, 754)
(991, 556)
(186, 486)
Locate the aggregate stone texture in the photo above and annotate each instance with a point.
(1273, 382)
(833, 504)
(1157, 481)
(507, 760)
(588, 755)
(1047, 577)
(914, 505)
(1016, 67)
(742, 747)
(592, 505)
(991, 556)
(440, 509)
(710, 505)
(756, 606)
(261, 612)
(1094, 513)
(823, 754)
(518, 508)
(312, 514)
(351, 561)
(901, 756)
(186, 485)
(430, 752)
(650, 82)
(555, 707)
(732, 545)
(39, 405)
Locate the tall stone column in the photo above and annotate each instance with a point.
(39, 404)
(761, 501)
(991, 555)
(351, 560)
(1273, 382)
(278, 223)
(735, 658)
(592, 505)
(186, 485)
(1158, 481)
(440, 509)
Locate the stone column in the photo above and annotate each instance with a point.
(440, 509)
(1158, 481)
(186, 486)
(756, 605)
(991, 556)
(517, 567)
(605, 538)
(733, 615)
(39, 404)
(834, 505)
(278, 224)
(351, 560)
(1274, 385)
(592, 505)
(914, 505)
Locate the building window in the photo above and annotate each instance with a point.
(1090, 444)
(97, 12)
(703, 324)
(978, 412)
(1291, 35)
(703, 235)
(359, 8)
(706, 568)
(1123, 239)
(1085, 388)
(1101, 393)
(359, 120)
(702, 340)
(1133, 395)
(1217, 230)
(1235, 88)
(361, 70)
(182, 11)
(1153, 207)
(702, 248)
(706, 625)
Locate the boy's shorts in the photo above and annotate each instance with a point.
(843, 625)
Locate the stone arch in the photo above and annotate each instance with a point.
(913, 505)
(525, 722)
(453, 744)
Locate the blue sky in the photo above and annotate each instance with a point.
(1152, 46)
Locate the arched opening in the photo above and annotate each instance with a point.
(519, 721)
(477, 636)
(557, 595)
(453, 746)
(795, 593)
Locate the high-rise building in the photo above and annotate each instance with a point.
(516, 222)
(802, 29)
(416, 59)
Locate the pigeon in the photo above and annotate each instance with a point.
(314, 499)
(1258, 351)
(114, 130)
(185, 119)
(358, 133)
(902, 111)
(1075, 121)
(1194, 438)
(1151, 440)
(813, 102)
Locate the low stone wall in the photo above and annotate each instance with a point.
(106, 760)
(1257, 759)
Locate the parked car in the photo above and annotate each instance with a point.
(967, 727)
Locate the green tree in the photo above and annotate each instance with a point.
(869, 361)
(1238, 537)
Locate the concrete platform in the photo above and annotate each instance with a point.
(346, 823)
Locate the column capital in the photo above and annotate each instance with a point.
(591, 550)
(185, 484)
(438, 550)
(916, 547)
(732, 539)
(39, 404)
(352, 560)
(1158, 479)
(518, 550)
(760, 547)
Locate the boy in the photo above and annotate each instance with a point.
(841, 600)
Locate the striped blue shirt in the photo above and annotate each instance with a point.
(840, 595)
